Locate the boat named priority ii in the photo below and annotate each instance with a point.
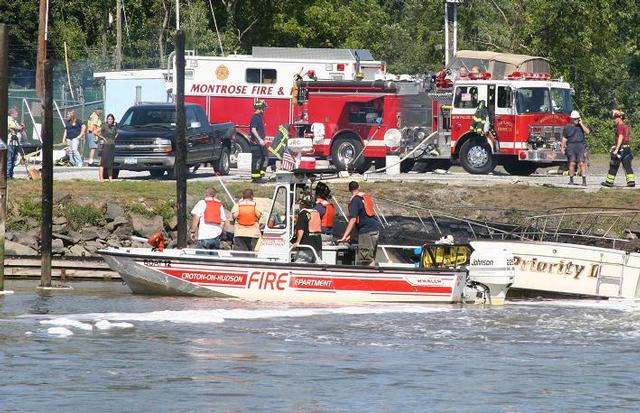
(431, 273)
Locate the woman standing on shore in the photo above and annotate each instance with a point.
(109, 135)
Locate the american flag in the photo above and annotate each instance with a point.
(287, 163)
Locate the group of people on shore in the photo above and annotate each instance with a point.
(314, 223)
(95, 132)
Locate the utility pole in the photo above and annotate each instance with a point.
(450, 40)
(118, 35)
(43, 21)
(181, 144)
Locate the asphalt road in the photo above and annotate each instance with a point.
(455, 176)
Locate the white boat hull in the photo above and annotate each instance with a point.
(173, 273)
(573, 269)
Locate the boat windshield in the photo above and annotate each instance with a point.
(278, 215)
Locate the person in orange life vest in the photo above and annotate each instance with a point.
(362, 215)
(207, 221)
(325, 208)
(246, 230)
(307, 231)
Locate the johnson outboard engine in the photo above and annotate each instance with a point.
(491, 272)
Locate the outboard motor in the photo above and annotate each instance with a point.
(491, 272)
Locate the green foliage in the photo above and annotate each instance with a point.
(81, 215)
(31, 208)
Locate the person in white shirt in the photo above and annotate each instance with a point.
(207, 221)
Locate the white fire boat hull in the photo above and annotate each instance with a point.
(173, 272)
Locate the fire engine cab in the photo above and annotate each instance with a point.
(523, 122)
(227, 86)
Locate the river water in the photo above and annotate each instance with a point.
(100, 348)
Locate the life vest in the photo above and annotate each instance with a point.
(329, 213)
(212, 211)
(247, 214)
(368, 205)
(315, 225)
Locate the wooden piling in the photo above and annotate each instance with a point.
(181, 143)
(47, 176)
(4, 109)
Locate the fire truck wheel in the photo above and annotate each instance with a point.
(116, 173)
(223, 164)
(476, 157)
(171, 174)
(238, 145)
(520, 168)
(344, 151)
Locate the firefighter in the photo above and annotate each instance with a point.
(307, 231)
(280, 141)
(257, 139)
(574, 146)
(362, 215)
(479, 122)
(326, 210)
(620, 152)
(207, 221)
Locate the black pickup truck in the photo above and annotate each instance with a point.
(147, 140)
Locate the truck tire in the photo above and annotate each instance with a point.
(156, 173)
(344, 151)
(223, 164)
(238, 145)
(407, 165)
(430, 165)
(116, 173)
(171, 174)
(520, 168)
(476, 157)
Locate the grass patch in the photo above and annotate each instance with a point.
(81, 215)
(30, 207)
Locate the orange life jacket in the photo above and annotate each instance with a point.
(368, 205)
(315, 225)
(329, 213)
(247, 214)
(212, 211)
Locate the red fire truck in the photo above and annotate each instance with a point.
(354, 123)
(227, 86)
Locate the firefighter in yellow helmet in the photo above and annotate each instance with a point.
(257, 140)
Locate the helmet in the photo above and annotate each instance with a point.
(259, 104)
(574, 114)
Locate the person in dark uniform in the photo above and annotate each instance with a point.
(257, 139)
(307, 231)
(620, 152)
(574, 146)
(362, 215)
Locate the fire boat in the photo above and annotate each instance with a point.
(434, 272)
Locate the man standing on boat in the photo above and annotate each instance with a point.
(246, 230)
(362, 214)
(620, 152)
(207, 221)
(307, 231)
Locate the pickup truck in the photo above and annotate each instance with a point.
(147, 140)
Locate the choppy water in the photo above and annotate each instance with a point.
(99, 348)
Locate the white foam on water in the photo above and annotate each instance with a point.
(68, 322)
(107, 325)
(220, 315)
(59, 331)
(627, 305)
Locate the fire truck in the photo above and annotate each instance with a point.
(227, 86)
(429, 125)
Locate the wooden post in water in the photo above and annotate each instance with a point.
(181, 143)
(47, 176)
(4, 109)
